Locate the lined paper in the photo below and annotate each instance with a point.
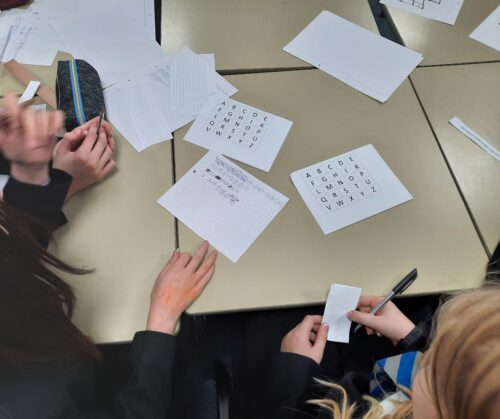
(192, 80)
(223, 204)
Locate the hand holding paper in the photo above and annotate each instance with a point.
(389, 321)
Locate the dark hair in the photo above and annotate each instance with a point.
(36, 305)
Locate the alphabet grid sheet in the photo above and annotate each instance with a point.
(349, 188)
(240, 131)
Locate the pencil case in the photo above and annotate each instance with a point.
(79, 92)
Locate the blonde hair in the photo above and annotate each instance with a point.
(462, 368)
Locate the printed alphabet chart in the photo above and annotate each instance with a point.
(240, 131)
(349, 188)
(223, 204)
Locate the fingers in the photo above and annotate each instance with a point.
(89, 141)
(110, 166)
(206, 265)
(321, 338)
(198, 256)
(202, 283)
(13, 110)
(365, 319)
(56, 122)
(310, 321)
(369, 300)
(29, 127)
(104, 159)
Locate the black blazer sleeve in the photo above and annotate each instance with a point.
(44, 202)
(289, 385)
(149, 391)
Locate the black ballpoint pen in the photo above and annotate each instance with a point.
(397, 290)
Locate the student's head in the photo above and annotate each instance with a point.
(35, 303)
(459, 375)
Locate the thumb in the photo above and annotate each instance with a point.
(321, 338)
(364, 319)
(72, 138)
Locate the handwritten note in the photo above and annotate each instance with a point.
(341, 300)
(223, 204)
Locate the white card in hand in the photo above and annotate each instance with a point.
(240, 131)
(341, 300)
(349, 188)
(223, 204)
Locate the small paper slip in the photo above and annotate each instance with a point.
(445, 11)
(237, 130)
(341, 300)
(363, 60)
(30, 91)
(41, 107)
(349, 188)
(474, 136)
(488, 32)
(223, 204)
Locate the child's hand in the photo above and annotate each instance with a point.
(178, 285)
(389, 321)
(308, 338)
(87, 158)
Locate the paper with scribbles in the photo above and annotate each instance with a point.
(223, 204)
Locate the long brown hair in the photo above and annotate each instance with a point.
(36, 305)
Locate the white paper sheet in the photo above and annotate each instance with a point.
(354, 55)
(349, 188)
(488, 32)
(136, 109)
(341, 300)
(445, 11)
(29, 92)
(237, 130)
(116, 50)
(26, 38)
(41, 107)
(475, 137)
(192, 80)
(223, 204)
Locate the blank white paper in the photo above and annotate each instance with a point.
(445, 11)
(349, 188)
(341, 300)
(240, 131)
(223, 204)
(488, 32)
(354, 55)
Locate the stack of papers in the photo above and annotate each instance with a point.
(223, 204)
(155, 101)
(363, 60)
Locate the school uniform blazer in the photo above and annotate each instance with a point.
(51, 395)
(290, 382)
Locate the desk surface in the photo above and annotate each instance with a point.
(249, 34)
(441, 43)
(293, 262)
(471, 93)
(116, 228)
